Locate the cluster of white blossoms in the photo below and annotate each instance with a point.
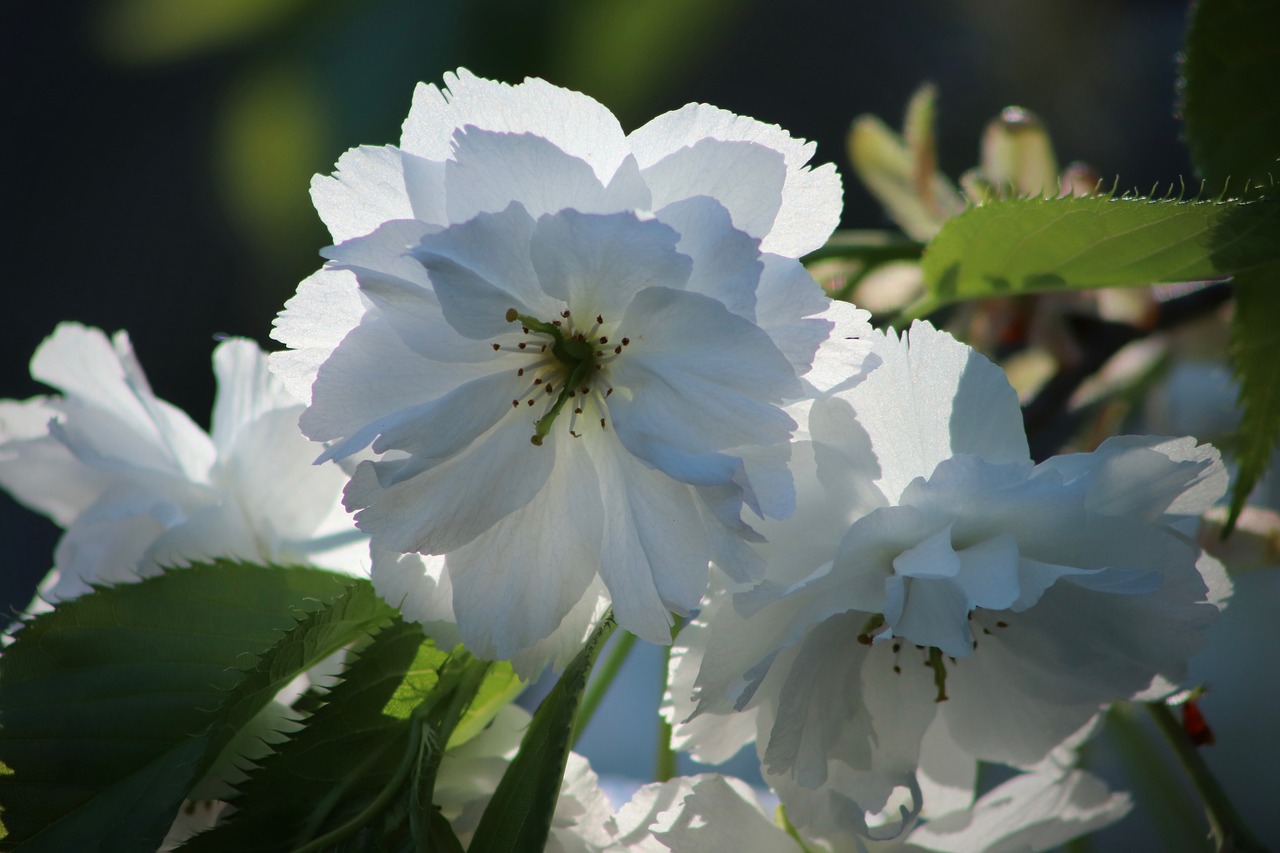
(138, 485)
(566, 369)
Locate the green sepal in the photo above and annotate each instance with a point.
(1020, 246)
(518, 818)
(115, 704)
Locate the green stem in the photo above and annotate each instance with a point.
(873, 247)
(1228, 828)
(427, 766)
(600, 685)
(665, 766)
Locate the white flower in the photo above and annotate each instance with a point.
(139, 486)
(930, 558)
(568, 349)
(1034, 811)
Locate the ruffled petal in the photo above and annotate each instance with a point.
(811, 199)
(366, 190)
(931, 398)
(573, 122)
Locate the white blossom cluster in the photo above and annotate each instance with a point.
(565, 369)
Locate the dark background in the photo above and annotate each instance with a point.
(157, 153)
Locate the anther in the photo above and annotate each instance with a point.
(617, 350)
(530, 402)
(599, 318)
(603, 340)
(520, 371)
(565, 313)
(537, 381)
(512, 314)
(1002, 624)
(515, 403)
(602, 423)
(521, 345)
(608, 392)
(626, 341)
(496, 347)
(577, 411)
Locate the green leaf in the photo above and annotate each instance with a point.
(499, 689)
(1255, 352)
(1022, 246)
(331, 770)
(421, 677)
(518, 818)
(1231, 105)
(115, 704)
(1231, 92)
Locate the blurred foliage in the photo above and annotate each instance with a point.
(144, 32)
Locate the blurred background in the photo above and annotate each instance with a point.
(158, 152)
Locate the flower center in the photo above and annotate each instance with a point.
(568, 366)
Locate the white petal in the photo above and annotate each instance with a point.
(655, 551)
(699, 378)
(107, 544)
(989, 572)
(948, 774)
(373, 377)
(843, 359)
(708, 738)
(313, 322)
(491, 170)
(811, 199)
(444, 508)
(572, 121)
(721, 813)
(598, 263)
(932, 398)
(516, 581)
(269, 473)
(367, 189)
(109, 409)
(1029, 812)
(560, 647)
(481, 269)
(1145, 477)
(710, 167)
(726, 261)
(38, 470)
(246, 390)
(419, 587)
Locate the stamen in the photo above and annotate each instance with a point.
(939, 673)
